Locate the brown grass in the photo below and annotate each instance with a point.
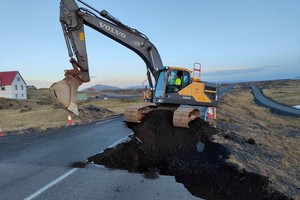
(283, 91)
(41, 117)
(276, 153)
(39, 112)
(116, 105)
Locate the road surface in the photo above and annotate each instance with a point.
(274, 106)
(40, 166)
(226, 89)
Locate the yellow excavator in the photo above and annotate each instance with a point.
(173, 88)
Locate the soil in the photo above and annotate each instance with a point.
(92, 112)
(159, 148)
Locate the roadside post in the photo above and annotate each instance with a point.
(70, 122)
(1, 133)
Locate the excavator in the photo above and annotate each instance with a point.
(182, 98)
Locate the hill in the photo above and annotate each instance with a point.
(101, 87)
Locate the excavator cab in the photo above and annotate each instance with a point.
(170, 80)
(176, 86)
(177, 79)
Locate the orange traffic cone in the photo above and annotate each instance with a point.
(1, 133)
(70, 122)
(210, 113)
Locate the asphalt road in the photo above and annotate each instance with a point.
(222, 91)
(226, 89)
(274, 106)
(40, 166)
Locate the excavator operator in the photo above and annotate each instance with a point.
(175, 77)
(178, 78)
(174, 83)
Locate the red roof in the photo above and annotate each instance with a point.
(6, 78)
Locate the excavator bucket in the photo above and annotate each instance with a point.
(64, 92)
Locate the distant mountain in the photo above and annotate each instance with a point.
(101, 87)
(134, 87)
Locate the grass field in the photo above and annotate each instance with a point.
(116, 105)
(276, 153)
(40, 112)
(283, 91)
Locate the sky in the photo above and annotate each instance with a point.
(234, 40)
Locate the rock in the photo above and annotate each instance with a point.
(251, 141)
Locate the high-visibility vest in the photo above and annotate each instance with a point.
(178, 81)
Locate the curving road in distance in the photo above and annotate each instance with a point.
(274, 106)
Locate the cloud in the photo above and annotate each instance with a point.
(270, 72)
(236, 71)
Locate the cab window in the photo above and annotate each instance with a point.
(186, 79)
(175, 81)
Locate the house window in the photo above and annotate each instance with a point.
(22, 87)
(16, 95)
(16, 87)
(22, 95)
(2, 88)
(18, 79)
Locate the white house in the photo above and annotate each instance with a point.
(12, 85)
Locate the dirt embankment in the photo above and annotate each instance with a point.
(159, 148)
(275, 149)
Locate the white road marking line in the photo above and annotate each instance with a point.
(119, 141)
(116, 143)
(113, 145)
(46, 187)
(106, 121)
(68, 173)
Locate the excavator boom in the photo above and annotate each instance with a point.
(186, 91)
(73, 18)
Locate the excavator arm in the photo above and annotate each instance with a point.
(73, 19)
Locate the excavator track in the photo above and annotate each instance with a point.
(137, 112)
(183, 116)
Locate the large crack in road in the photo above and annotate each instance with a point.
(159, 148)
